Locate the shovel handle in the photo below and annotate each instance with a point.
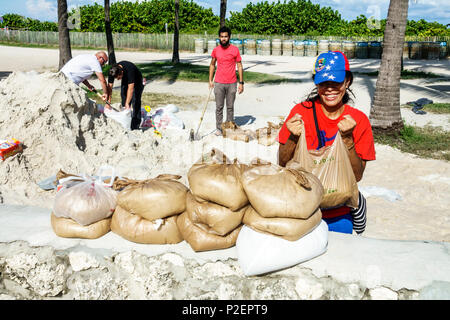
(99, 95)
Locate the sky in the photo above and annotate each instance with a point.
(430, 10)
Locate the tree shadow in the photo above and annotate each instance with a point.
(4, 74)
(244, 120)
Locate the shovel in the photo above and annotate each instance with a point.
(99, 95)
(194, 136)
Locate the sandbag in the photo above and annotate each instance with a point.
(287, 228)
(123, 117)
(200, 240)
(260, 253)
(331, 164)
(68, 228)
(232, 131)
(277, 192)
(211, 217)
(218, 182)
(86, 202)
(152, 199)
(268, 135)
(134, 228)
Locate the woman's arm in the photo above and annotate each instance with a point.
(346, 127)
(286, 151)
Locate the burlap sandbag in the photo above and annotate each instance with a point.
(211, 217)
(287, 228)
(137, 229)
(218, 182)
(154, 198)
(201, 240)
(277, 192)
(331, 164)
(86, 202)
(68, 228)
(268, 135)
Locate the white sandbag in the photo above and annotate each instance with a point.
(260, 253)
(123, 117)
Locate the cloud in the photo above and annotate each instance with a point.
(42, 9)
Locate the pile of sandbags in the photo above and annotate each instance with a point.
(284, 204)
(83, 206)
(215, 205)
(268, 135)
(147, 210)
(232, 131)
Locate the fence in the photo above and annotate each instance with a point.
(165, 41)
(98, 39)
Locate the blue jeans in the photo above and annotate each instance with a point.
(343, 224)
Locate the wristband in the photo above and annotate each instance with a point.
(241, 82)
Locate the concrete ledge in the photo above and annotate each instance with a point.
(36, 264)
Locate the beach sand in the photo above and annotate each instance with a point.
(407, 196)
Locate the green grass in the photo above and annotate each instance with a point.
(407, 74)
(427, 142)
(190, 72)
(439, 108)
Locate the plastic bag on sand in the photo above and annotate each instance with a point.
(68, 228)
(277, 192)
(260, 253)
(164, 118)
(287, 228)
(218, 181)
(123, 117)
(86, 201)
(332, 166)
(137, 229)
(200, 240)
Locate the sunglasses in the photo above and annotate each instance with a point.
(103, 59)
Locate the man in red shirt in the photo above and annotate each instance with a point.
(224, 83)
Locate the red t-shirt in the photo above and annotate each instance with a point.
(226, 63)
(362, 136)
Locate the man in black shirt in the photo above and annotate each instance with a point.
(130, 89)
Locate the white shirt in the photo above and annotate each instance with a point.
(81, 67)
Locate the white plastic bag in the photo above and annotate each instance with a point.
(164, 118)
(86, 199)
(260, 253)
(123, 117)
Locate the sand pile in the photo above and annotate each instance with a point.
(61, 128)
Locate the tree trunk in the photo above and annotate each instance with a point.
(223, 12)
(176, 34)
(109, 38)
(65, 52)
(385, 113)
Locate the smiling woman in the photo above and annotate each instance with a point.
(320, 118)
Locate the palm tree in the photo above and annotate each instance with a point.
(65, 52)
(176, 34)
(385, 113)
(109, 38)
(223, 12)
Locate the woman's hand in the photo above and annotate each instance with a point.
(346, 126)
(294, 124)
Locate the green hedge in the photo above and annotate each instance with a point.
(293, 17)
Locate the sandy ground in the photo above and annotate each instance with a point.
(407, 197)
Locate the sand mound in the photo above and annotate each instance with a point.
(62, 129)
